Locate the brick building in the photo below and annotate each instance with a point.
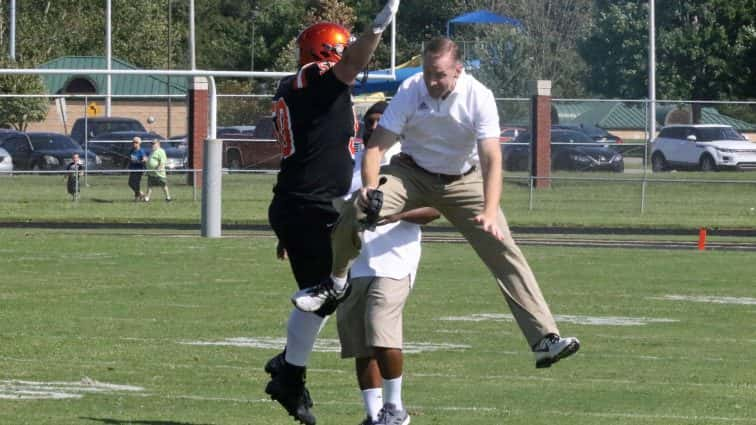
(135, 96)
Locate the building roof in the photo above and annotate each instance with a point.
(121, 84)
(568, 111)
(624, 116)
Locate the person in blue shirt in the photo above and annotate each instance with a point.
(137, 159)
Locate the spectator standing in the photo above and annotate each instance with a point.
(156, 175)
(137, 160)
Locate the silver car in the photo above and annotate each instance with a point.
(6, 162)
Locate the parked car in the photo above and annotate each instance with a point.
(251, 147)
(114, 148)
(6, 162)
(100, 125)
(510, 133)
(705, 147)
(44, 151)
(596, 133)
(239, 131)
(570, 150)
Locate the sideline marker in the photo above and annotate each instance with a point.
(702, 239)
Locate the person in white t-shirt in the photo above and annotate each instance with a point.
(448, 124)
(370, 319)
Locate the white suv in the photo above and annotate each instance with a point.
(705, 147)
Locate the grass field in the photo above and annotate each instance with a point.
(111, 319)
(672, 200)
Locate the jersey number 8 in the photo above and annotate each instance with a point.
(282, 130)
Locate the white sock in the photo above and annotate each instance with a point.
(373, 399)
(301, 332)
(339, 283)
(392, 390)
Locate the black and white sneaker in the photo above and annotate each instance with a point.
(553, 348)
(322, 298)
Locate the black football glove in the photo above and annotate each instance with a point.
(373, 209)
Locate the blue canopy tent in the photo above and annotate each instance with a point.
(391, 86)
(388, 86)
(482, 17)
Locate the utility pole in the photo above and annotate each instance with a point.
(651, 71)
(170, 50)
(12, 44)
(109, 56)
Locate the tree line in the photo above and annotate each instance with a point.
(706, 49)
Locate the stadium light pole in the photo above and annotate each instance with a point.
(651, 70)
(253, 18)
(109, 55)
(192, 57)
(12, 41)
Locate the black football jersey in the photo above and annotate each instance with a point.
(315, 125)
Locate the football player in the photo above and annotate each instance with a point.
(315, 125)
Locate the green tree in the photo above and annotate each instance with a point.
(705, 49)
(616, 51)
(49, 29)
(544, 48)
(506, 62)
(319, 10)
(240, 110)
(506, 65)
(18, 112)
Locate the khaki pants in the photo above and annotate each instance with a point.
(409, 186)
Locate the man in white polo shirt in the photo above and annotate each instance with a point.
(451, 160)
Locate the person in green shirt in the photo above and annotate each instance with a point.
(156, 175)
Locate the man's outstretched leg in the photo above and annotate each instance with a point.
(512, 272)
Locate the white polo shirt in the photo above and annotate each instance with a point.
(441, 135)
(392, 250)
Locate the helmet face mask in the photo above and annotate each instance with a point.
(324, 41)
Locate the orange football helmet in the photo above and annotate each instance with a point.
(324, 41)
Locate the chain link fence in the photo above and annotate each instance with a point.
(601, 157)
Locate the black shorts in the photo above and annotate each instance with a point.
(154, 180)
(304, 229)
(135, 180)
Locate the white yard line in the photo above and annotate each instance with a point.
(725, 419)
(322, 345)
(565, 318)
(34, 390)
(708, 299)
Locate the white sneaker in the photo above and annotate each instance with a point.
(553, 348)
(322, 298)
(390, 415)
